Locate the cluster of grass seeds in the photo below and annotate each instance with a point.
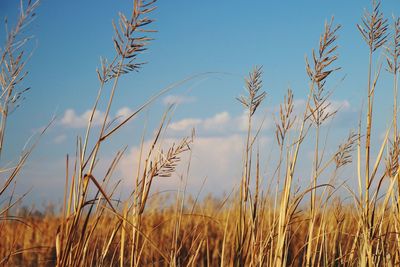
(281, 225)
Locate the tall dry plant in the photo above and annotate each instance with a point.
(393, 66)
(251, 102)
(14, 56)
(318, 72)
(13, 62)
(284, 212)
(374, 32)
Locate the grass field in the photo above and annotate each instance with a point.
(278, 225)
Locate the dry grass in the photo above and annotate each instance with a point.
(256, 226)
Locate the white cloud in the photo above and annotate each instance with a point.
(123, 113)
(339, 106)
(184, 125)
(346, 117)
(71, 119)
(262, 119)
(298, 106)
(60, 139)
(219, 159)
(334, 105)
(177, 99)
(242, 121)
(223, 123)
(220, 123)
(217, 122)
(346, 114)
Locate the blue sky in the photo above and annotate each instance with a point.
(225, 37)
